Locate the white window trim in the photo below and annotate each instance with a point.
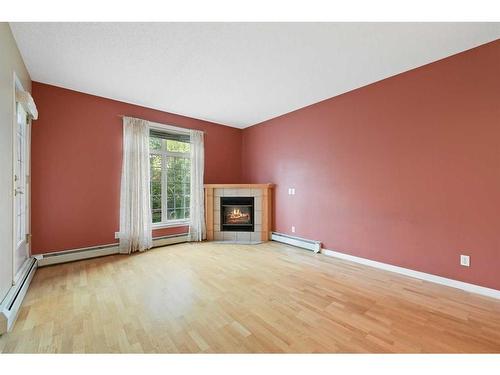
(171, 224)
(165, 127)
(169, 128)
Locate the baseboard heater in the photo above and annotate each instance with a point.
(170, 239)
(9, 308)
(99, 251)
(297, 241)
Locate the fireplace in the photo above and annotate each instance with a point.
(256, 229)
(237, 214)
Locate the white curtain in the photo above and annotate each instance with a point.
(197, 209)
(135, 204)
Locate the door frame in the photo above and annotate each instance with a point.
(16, 274)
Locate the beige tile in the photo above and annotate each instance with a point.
(237, 192)
(245, 192)
(216, 228)
(217, 217)
(229, 236)
(219, 236)
(258, 227)
(230, 193)
(258, 217)
(243, 236)
(256, 236)
(257, 192)
(258, 203)
(218, 192)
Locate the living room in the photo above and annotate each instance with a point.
(249, 187)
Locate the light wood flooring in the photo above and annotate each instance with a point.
(225, 298)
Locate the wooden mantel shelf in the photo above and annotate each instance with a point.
(212, 211)
(239, 186)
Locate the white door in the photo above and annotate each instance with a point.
(21, 190)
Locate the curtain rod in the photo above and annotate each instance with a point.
(121, 116)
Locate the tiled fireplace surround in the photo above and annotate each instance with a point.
(262, 211)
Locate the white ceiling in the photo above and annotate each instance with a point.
(237, 74)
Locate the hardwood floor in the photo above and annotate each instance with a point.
(245, 298)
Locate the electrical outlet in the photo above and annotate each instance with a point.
(293, 229)
(465, 260)
(293, 191)
(117, 235)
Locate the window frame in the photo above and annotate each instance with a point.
(165, 223)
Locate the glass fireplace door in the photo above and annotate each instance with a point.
(237, 214)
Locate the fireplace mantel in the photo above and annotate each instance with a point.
(263, 206)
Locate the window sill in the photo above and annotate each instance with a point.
(170, 224)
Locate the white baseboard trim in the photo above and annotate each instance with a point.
(9, 308)
(472, 288)
(297, 241)
(48, 259)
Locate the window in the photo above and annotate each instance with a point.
(20, 176)
(170, 176)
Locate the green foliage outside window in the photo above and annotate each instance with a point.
(170, 179)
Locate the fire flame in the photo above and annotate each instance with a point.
(237, 214)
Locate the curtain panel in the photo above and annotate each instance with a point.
(197, 230)
(135, 203)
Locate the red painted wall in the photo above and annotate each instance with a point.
(404, 171)
(76, 165)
